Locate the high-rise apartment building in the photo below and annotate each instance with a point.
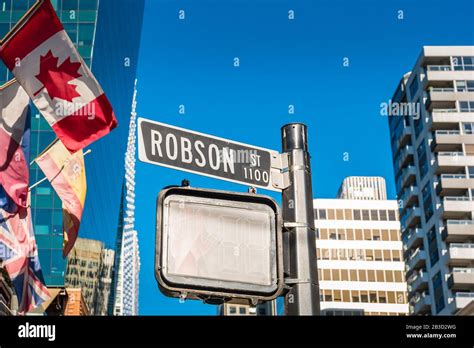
(360, 259)
(125, 286)
(107, 35)
(89, 268)
(432, 137)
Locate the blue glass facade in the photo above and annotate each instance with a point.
(107, 35)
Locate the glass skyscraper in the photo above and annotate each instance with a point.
(107, 35)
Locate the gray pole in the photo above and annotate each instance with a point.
(298, 217)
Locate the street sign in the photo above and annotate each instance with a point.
(203, 154)
(217, 245)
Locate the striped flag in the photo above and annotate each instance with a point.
(14, 141)
(19, 256)
(67, 175)
(45, 62)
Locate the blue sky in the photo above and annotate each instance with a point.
(283, 62)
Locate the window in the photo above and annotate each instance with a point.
(385, 235)
(367, 235)
(88, 4)
(359, 235)
(331, 214)
(344, 275)
(418, 123)
(389, 276)
(326, 274)
(335, 275)
(371, 275)
(364, 297)
(374, 216)
(337, 296)
(394, 236)
(350, 234)
(323, 233)
(362, 275)
(357, 215)
(423, 159)
(328, 295)
(463, 63)
(413, 86)
(346, 296)
(341, 235)
(391, 297)
(380, 276)
(348, 214)
(322, 214)
(392, 216)
(355, 296)
(468, 128)
(369, 255)
(466, 106)
(396, 255)
(242, 310)
(373, 297)
(378, 255)
(353, 274)
(465, 86)
(433, 246)
(383, 215)
(365, 215)
(339, 214)
(375, 235)
(438, 292)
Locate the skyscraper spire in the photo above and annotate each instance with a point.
(127, 261)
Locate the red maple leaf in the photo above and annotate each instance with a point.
(56, 78)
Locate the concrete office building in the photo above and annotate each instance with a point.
(360, 259)
(363, 187)
(241, 307)
(89, 268)
(433, 155)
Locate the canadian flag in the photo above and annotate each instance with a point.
(45, 62)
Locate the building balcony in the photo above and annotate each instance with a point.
(458, 231)
(404, 138)
(411, 217)
(450, 140)
(446, 97)
(421, 304)
(461, 279)
(457, 207)
(452, 162)
(406, 178)
(418, 282)
(461, 254)
(462, 299)
(404, 157)
(409, 197)
(414, 238)
(446, 73)
(454, 184)
(416, 260)
(449, 119)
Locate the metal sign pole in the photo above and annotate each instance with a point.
(298, 217)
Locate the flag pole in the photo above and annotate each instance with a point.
(45, 178)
